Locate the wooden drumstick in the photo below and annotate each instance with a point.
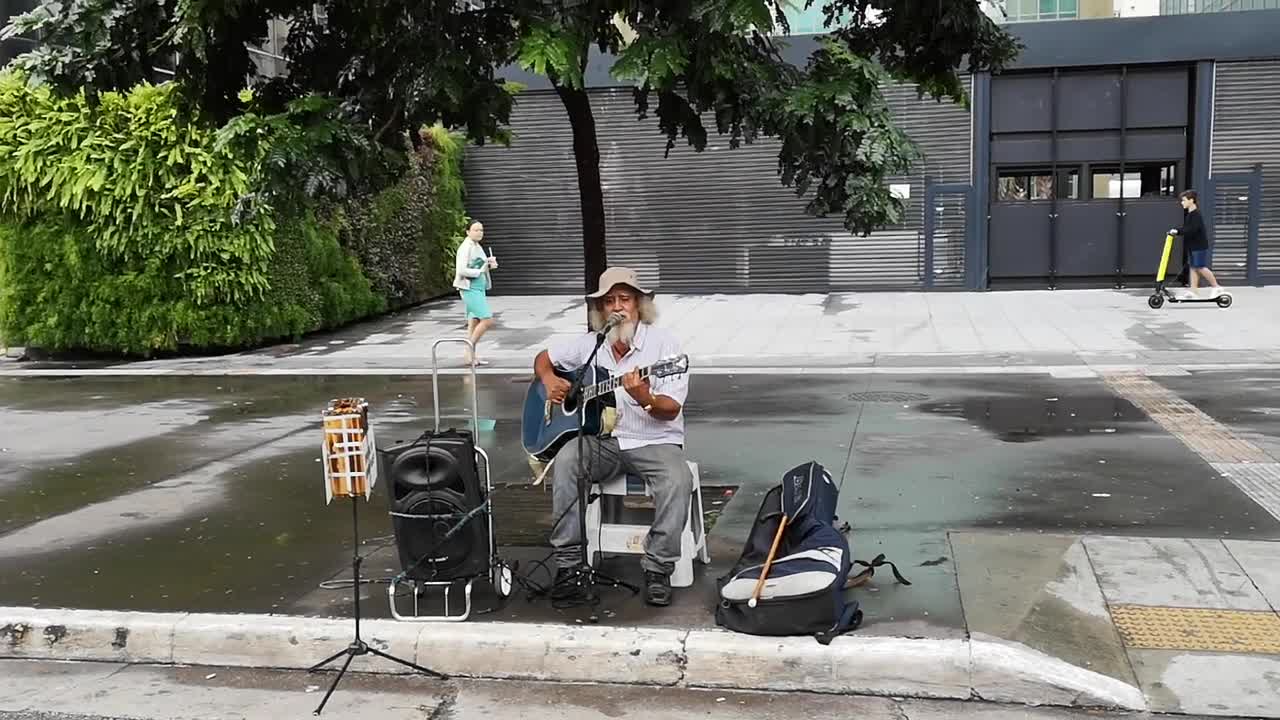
(764, 571)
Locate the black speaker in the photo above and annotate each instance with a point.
(434, 489)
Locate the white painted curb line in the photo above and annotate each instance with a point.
(900, 667)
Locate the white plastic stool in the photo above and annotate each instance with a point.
(626, 539)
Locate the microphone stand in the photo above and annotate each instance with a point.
(586, 576)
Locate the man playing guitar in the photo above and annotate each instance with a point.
(647, 440)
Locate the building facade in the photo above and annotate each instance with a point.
(1182, 7)
(1064, 173)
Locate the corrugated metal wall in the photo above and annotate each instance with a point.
(718, 221)
(1246, 105)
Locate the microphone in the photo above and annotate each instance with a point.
(615, 319)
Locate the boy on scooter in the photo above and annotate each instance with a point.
(1195, 239)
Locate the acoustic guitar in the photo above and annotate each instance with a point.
(547, 426)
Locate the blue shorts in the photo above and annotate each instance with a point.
(477, 304)
(1200, 258)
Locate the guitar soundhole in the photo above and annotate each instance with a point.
(569, 406)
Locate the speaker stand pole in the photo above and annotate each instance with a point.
(358, 646)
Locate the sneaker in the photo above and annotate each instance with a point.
(657, 588)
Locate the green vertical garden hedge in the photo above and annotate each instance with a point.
(129, 226)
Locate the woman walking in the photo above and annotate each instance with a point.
(472, 279)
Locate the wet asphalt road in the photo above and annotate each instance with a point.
(205, 494)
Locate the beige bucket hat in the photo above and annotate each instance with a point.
(619, 276)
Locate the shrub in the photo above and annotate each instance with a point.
(127, 226)
(405, 236)
(151, 190)
(59, 293)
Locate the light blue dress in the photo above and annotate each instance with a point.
(474, 298)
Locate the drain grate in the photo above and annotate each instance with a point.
(885, 396)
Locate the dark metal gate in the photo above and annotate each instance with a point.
(948, 209)
(1233, 216)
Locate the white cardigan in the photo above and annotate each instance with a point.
(462, 273)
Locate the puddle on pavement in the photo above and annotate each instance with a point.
(1024, 419)
(215, 502)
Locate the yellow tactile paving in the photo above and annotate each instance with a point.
(1171, 628)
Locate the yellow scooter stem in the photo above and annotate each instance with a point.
(1164, 260)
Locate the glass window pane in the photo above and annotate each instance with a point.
(1140, 180)
(1106, 184)
(1068, 8)
(1020, 185)
(1012, 188)
(1042, 187)
(1048, 8)
(1071, 182)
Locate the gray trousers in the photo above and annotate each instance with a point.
(664, 470)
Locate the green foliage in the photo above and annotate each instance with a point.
(447, 219)
(309, 150)
(405, 235)
(127, 227)
(59, 293)
(839, 144)
(839, 99)
(149, 186)
(102, 45)
(546, 50)
(399, 65)
(925, 43)
(92, 44)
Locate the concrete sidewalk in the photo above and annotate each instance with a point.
(1067, 331)
(1165, 624)
(38, 690)
(1160, 591)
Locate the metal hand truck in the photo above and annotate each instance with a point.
(499, 574)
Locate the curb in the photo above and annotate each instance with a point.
(901, 667)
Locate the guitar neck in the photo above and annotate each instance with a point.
(613, 383)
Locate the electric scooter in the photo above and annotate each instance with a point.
(1186, 295)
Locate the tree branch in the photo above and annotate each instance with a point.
(395, 115)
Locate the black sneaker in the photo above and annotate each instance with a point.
(566, 585)
(657, 588)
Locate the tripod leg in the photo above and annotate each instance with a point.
(321, 664)
(406, 663)
(334, 686)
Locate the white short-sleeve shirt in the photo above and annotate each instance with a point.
(635, 427)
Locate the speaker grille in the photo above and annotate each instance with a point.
(433, 484)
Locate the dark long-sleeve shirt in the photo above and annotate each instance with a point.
(1192, 231)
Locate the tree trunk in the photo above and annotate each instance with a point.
(586, 154)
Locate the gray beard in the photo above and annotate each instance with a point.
(624, 333)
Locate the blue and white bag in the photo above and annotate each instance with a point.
(804, 591)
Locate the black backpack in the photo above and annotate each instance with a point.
(804, 591)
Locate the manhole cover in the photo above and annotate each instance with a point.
(885, 396)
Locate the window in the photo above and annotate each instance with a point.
(1138, 181)
(1034, 10)
(811, 20)
(1036, 184)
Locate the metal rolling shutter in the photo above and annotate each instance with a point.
(1246, 103)
(716, 221)
(527, 197)
(943, 131)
